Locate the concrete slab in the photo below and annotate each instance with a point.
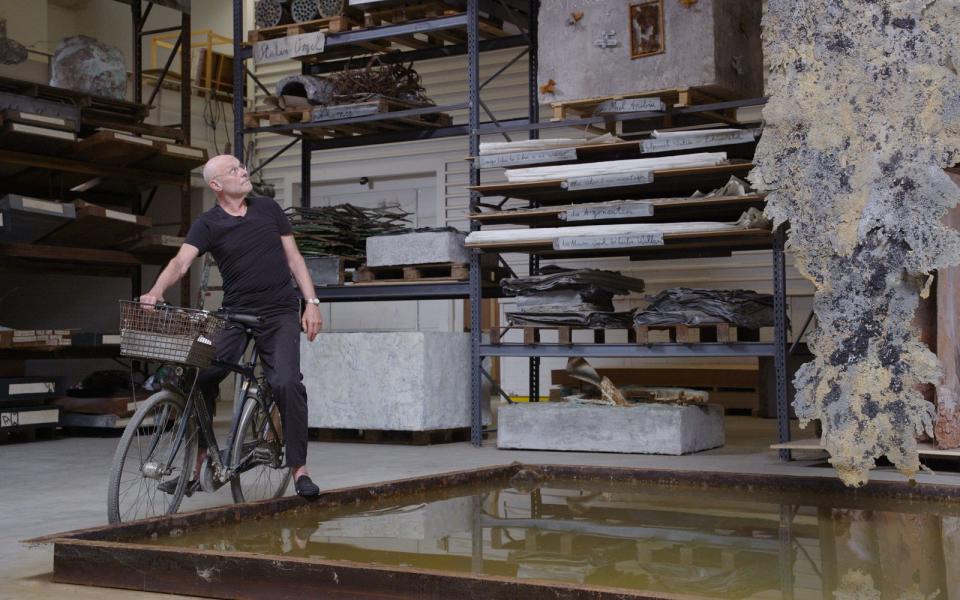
(387, 380)
(641, 429)
(419, 248)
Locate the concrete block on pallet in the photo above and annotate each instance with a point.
(325, 270)
(394, 381)
(417, 248)
(640, 429)
(628, 46)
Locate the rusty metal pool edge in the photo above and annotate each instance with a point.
(101, 557)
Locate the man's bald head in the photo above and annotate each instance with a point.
(226, 175)
(218, 165)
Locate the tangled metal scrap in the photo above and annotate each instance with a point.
(378, 79)
(342, 230)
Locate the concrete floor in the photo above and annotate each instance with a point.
(59, 485)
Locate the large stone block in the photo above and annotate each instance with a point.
(417, 248)
(641, 429)
(626, 46)
(397, 381)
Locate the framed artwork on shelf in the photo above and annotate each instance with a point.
(646, 29)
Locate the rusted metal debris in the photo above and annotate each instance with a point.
(378, 79)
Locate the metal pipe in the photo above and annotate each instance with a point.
(166, 69)
(239, 81)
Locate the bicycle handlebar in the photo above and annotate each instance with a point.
(240, 318)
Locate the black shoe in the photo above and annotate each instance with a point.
(306, 487)
(170, 486)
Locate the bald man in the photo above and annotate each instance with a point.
(252, 242)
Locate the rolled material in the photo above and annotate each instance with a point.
(330, 8)
(303, 10)
(316, 90)
(270, 13)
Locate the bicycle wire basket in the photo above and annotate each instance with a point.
(168, 333)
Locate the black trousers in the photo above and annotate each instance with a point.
(277, 341)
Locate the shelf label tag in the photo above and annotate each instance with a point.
(611, 241)
(45, 387)
(516, 159)
(666, 144)
(292, 46)
(329, 113)
(630, 105)
(591, 182)
(618, 210)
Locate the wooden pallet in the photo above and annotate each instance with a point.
(381, 106)
(424, 273)
(376, 436)
(672, 97)
(327, 25)
(722, 333)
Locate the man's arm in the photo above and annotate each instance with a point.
(312, 321)
(175, 269)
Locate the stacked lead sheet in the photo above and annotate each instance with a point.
(565, 297)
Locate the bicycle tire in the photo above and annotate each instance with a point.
(138, 431)
(253, 428)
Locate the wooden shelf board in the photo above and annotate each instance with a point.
(666, 180)
(663, 207)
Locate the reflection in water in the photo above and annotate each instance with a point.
(714, 544)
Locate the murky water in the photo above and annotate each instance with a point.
(703, 542)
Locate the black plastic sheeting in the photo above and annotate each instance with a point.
(689, 306)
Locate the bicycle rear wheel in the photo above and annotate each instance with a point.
(145, 447)
(257, 455)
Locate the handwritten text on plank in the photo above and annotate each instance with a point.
(516, 159)
(611, 241)
(619, 210)
(604, 181)
(305, 44)
(665, 144)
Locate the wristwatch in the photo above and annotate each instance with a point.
(313, 301)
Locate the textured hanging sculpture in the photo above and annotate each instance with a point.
(863, 118)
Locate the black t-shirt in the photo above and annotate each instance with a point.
(249, 254)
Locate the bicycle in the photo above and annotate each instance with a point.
(160, 443)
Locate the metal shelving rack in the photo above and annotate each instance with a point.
(474, 128)
(46, 100)
(335, 43)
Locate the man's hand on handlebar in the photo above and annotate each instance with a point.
(311, 321)
(150, 301)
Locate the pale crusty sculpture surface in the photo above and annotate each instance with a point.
(863, 118)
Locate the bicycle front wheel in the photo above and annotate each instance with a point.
(153, 461)
(257, 454)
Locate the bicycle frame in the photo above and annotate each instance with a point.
(222, 473)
